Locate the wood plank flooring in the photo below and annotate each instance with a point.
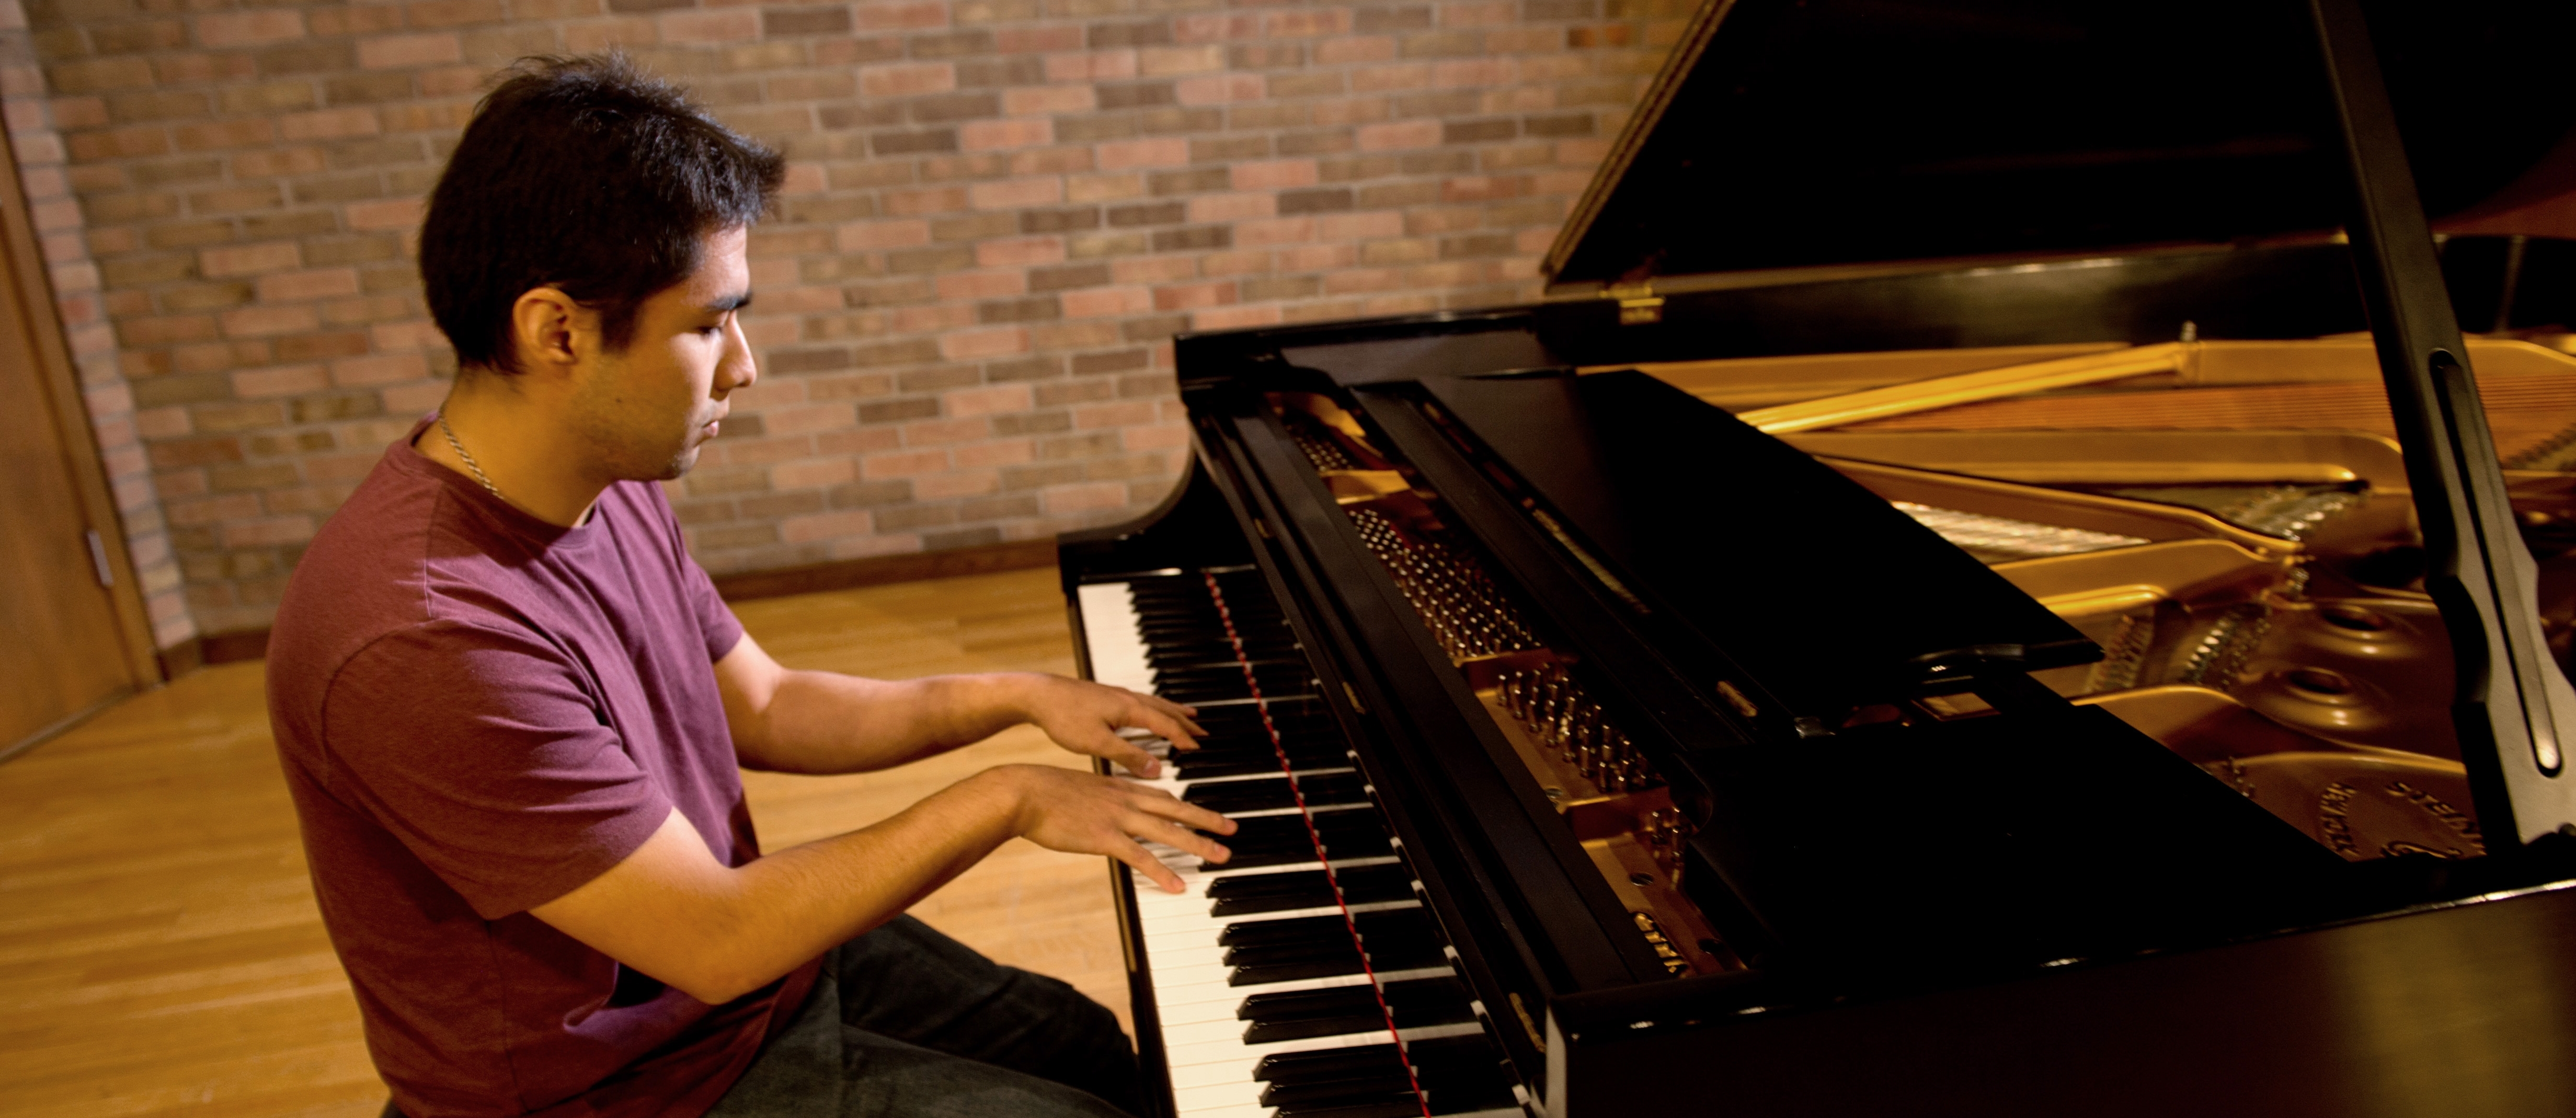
(159, 948)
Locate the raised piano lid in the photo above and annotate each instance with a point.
(1826, 595)
(1794, 140)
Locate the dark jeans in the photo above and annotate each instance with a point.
(906, 1021)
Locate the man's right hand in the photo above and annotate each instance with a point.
(1083, 813)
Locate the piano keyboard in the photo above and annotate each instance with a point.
(1266, 1004)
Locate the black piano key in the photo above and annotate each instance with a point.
(1414, 1003)
(1278, 840)
(1264, 952)
(1278, 892)
(1404, 1106)
(1327, 1065)
(1228, 797)
(1295, 929)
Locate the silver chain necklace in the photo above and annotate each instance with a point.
(470, 463)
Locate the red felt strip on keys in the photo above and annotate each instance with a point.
(1280, 748)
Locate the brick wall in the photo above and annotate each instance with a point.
(74, 278)
(998, 213)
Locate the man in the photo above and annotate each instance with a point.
(510, 708)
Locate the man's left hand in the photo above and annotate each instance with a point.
(1086, 717)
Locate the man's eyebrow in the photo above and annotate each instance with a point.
(733, 302)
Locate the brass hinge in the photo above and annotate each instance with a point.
(1638, 303)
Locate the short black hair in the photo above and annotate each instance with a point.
(587, 175)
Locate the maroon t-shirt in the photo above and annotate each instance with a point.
(477, 712)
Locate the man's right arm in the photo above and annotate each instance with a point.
(672, 911)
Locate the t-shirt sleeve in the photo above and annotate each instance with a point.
(485, 753)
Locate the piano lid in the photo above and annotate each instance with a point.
(1826, 594)
(1805, 134)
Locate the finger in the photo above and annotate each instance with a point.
(1178, 835)
(1145, 863)
(1187, 715)
(1109, 746)
(1171, 807)
(1164, 726)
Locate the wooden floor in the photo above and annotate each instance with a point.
(159, 948)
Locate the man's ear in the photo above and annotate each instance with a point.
(544, 327)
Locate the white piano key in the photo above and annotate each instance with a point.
(1221, 1100)
(1109, 631)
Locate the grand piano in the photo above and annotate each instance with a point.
(1994, 584)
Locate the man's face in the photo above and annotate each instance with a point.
(647, 410)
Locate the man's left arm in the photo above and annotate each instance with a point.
(824, 722)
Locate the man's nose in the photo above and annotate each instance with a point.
(737, 370)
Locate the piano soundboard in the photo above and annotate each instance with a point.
(1304, 978)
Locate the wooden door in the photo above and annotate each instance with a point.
(65, 649)
(61, 653)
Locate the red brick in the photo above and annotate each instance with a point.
(907, 463)
(1161, 152)
(1482, 13)
(1012, 194)
(934, 431)
(1033, 40)
(907, 79)
(941, 487)
(1359, 226)
(1006, 452)
(1301, 22)
(246, 260)
(292, 380)
(982, 285)
(1188, 295)
(932, 318)
(724, 26)
(320, 283)
(1061, 499)
(1220, 89)
(993, 400)
(327, 124)
(1400, 135)
(1215, 28)
(1211, 208)
(859, 235)
(390, 368)
(251, 28)
(995, 135)
(1274, 174)
(968, 345)
(1153, 269)
(400, 51)
(1229, 318)
(1474, 71)
(1032, 100)
(1163, 62)
(1020, 252)
(399, 213)
(1109, 65)
(906, 203)
(1125, 413)
(1098, 302)
(1386, 79)
(1277, 231)
(905, 15)
(812, 475)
